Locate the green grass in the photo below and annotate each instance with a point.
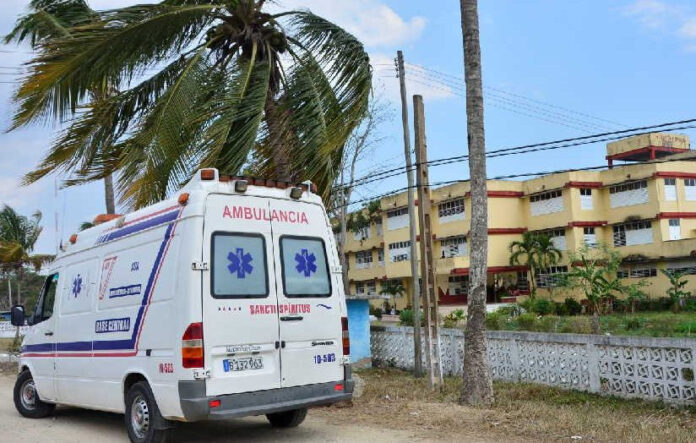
(651, 324)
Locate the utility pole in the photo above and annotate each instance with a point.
(432, 333)
(415, 296)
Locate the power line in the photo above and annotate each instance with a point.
(535, 147)
(499, 177)
(459, 80)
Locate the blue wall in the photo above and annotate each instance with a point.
(359, 329)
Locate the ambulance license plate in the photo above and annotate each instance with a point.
(242, 364)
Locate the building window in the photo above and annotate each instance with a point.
(363, 259)
(557, 237)
(586, 198)
(378, 227)
(670, 189)
(399, 251)
(628, 194)
(634, 233)
(552, 277)
(546, 202)
(360, 288)
(642, 272)
(397, 218)
(380, 256)
(362, 233)
(451, 211)
(371, 287)
(453, 247)
(683, 267)
(458, 285)
(674, 229)
(690, 189)
(589, 237)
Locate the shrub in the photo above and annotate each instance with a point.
(377, 312)
(527, 321)
(406, 318)
(526, 304)
(548, 323)
(543, 306)
(576, 325)
(573, 307)
(495, 321)
(690, 305)
(687, 327)
(453, 319)
(560, 309)
(634, 323)
(510, 311)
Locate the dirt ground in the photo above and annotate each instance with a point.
(77, 425)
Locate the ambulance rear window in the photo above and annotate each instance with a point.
(305, 268)
(239, 266)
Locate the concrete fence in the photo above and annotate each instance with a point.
(633, 367)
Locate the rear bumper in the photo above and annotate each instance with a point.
(195, 404)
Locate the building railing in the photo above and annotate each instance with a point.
(633, 367)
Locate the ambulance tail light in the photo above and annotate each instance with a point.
(192, 346)
(346, 337)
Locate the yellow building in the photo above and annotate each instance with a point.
(646, 210)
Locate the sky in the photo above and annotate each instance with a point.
(551, 69)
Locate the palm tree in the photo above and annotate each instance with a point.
(393, 288)
(477, 387)
(536, 252)
(230, 86)
(18, 236)
(53, 19)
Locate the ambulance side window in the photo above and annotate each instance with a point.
(239, 266)
(305, 267)
(44, 307)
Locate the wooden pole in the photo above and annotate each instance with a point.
(428, 283)
(415, 296)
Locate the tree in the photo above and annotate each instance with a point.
(393, 288)
(234, 87)
(18, 236)
(53, 19)
(593, 271)
(477, 387)
(536, 252)
(360, 143)
(677, 282)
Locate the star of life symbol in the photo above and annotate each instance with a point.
(306, 263)
(77, 285)
(240, 262)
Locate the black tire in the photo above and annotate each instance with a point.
(143, 420)
(287, 419)
(27, 400)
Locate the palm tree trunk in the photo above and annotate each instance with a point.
(277, 122)
(477, 387)
(109, 194)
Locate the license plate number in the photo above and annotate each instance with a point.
(242, 364)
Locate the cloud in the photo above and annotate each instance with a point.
(374, 23)
(670, 18)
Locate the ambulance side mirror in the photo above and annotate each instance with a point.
(17, 315)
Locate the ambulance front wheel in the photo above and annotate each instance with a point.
(26, 398)
(143, 420)
(287, 419)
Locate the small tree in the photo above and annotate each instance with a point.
(634, 294)
(677, 282)
(393, 288)
(535, 251)
(593, 271)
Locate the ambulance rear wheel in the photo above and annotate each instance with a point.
(143, 416)
(26, 398)
(287, 419)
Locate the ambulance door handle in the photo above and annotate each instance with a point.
(291, 318)
(48, 333)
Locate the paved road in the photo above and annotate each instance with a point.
(77, 425)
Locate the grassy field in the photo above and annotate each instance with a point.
(5, 343)
(522, 412)
(651, 324)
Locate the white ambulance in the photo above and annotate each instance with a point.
(225, 301)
